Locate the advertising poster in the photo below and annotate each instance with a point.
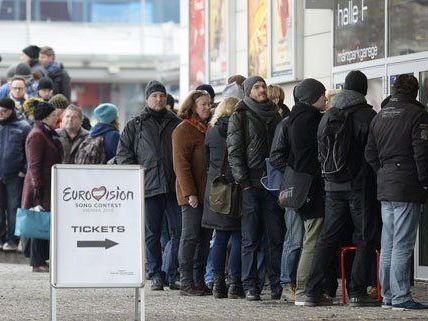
(359, 31)
(197, 62)
(258, 38)
(218, 42)
(282, 38)
(97, 226)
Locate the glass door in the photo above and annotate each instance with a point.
(420, 70)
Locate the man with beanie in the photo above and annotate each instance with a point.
(45, 88)
(300, 136)
(107, 127)
(249, 138)
(30, 55)
(13, 132)
(147, 140)
(397, 150)
(350, 193)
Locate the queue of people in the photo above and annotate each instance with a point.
(337, 172)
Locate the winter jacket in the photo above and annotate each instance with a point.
(361, 116)
(189, 162)
(397, 149)
(110, 138)
(249, 139)
(303, 154)
(70, 146)
(280, 149)
(13, 134)
(60, 78)
(215, 152)
(43, 150)
(146, 142)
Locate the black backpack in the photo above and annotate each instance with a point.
(91, 151)
(335, 141)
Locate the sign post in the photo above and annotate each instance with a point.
(97, 229)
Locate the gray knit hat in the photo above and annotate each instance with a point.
(249, 83)
(59, 101)
(154, 86)
(309, 91)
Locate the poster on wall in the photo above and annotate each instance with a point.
(258, 38)
(282, 38)
(218, 51)
(197, 62)
(359, 31)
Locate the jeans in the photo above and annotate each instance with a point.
(400, 224)
(312, 230)
(155, 209)
(11, 189)
(339, 207)
(260, 213)
(209, 273)
(194, 247)
(292, 246)
(219, 250)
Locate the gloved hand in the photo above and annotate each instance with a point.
(38, 193)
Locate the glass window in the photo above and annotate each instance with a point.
(12, 9)
(408, 26)
(359, 31)
(117, 11)
(57, 10)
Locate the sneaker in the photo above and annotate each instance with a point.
(19, 248)
(188, 290)
(174, 285)
(289, 292)
(9, 246)
(157, 284)
(306, 301)
(386, 305)
(363, 301)
(252, 295)
(409, 305)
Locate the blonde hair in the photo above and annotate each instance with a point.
(275, 91)
(330, 94)
(225, 108)
(28, 106)
(186, 109)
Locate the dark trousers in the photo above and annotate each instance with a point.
(194, 247)
(260, 213)
(219, 249)
(11, 191)
(39, 252)
(338, 207)
(156, 207)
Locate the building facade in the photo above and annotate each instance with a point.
(286, 41)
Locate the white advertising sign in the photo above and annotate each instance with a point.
(97, 231)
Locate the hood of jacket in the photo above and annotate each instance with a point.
(100, 129)
(348, 98)
(222, 124)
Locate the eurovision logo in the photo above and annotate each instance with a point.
(97, 193)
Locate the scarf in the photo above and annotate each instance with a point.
(195, 122)
(158, 115)
(265, 110)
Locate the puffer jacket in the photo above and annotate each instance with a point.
(13, 134)
(397, 150)
(146, 142)
(249, 139)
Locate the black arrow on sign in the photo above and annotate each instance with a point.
(106, 244)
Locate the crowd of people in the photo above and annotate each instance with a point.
(244, 192)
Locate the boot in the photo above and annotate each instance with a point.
(219, 287)
(235, 289)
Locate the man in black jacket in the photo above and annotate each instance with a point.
(397, 149)
(249, 138)
(347, 199)
(147, 140)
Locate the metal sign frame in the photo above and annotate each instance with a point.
(139, 287)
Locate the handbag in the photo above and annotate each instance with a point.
(294, 189)
(31, 223)
(225, 196)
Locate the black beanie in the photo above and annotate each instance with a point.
(308, 91)
(32, 51)
(45, 83)
(23, 69)
(42, 110)
(356, 81)
(249, 83)
(7, 103)
(208, 88)
(154, 86)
